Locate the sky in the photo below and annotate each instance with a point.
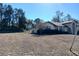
(46, 11)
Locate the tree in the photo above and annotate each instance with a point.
(1, 13)
(38, 20)
(12, 18)
(29, 24)
(57, 18)
(20, 18)
(22, 22)
(8, 11)
(68, 17)
(1, 6)
(15, 17)
(8, 14)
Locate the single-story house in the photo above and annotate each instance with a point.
(67, 26)
(48, 25)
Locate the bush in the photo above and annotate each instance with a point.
(10, 30)
(49, 32)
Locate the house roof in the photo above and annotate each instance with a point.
(67, 22)
(61, 23)
(56, 23)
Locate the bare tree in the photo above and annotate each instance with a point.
(58, 16)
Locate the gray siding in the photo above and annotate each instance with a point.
(71, 27)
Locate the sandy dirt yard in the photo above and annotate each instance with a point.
(25, 44)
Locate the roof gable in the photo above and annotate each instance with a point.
(55, 23)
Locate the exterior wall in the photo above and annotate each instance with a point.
(77, 28)
(60, 28)
(72, 27)
(44, 26)
(51, 26)
(66, 29)
(68, 26)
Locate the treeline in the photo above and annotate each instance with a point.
(11, 19)
(14, 20)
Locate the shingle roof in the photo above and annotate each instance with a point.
(67, 22)
(56, 23)
(60, 23)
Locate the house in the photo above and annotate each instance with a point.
(58, 26)
(51, 25)
(47, 26)
(67, 26)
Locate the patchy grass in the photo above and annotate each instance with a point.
(23, 44)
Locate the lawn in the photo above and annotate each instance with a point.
(24, 44)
